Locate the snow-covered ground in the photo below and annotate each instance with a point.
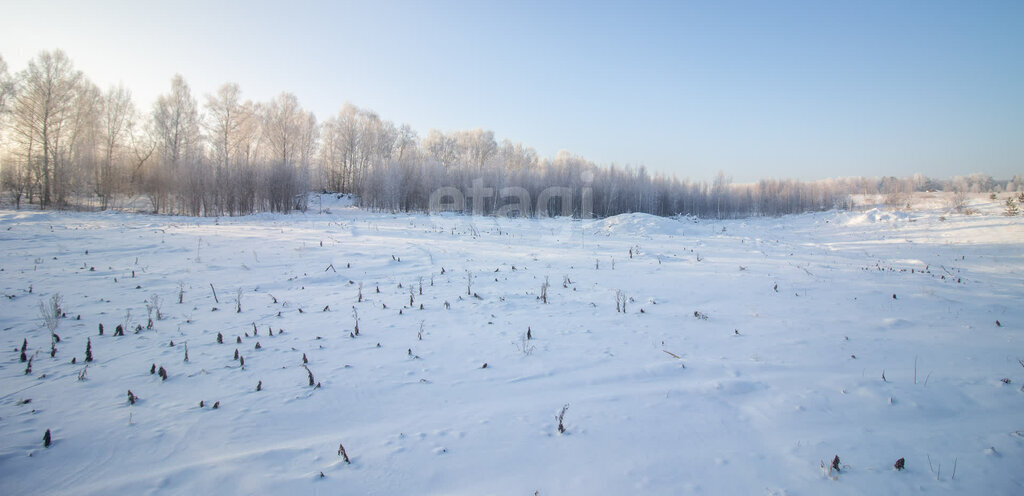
(749, 353)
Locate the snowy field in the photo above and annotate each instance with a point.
(750, 353)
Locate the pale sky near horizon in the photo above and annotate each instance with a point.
(797, 89)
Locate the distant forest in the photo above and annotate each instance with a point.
(67, 144)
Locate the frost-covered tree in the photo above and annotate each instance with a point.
(43, 117)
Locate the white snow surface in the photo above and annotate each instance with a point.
(770, 385)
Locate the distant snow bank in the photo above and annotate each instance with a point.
(873, 216)
(638, 225)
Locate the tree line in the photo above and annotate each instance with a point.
(66, 143)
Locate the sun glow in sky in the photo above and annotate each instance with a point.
(801, 89)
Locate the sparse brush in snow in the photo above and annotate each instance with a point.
(28, 367)
(544, 290)
(47, 439)
(304, 359)
(101, 329)
(355, 316)
(359, 296)
(310, 373)
(900, 464)
(152, 369)
(220, 338)
(162, 372)
(560, 418)
(238, 339)
(342, 453)
(259, 386)
(126, 323)
(88, 350)
(238, 300)
(24, 347)
(524, 347)
(131, 397)
(241, 361)
(50, 312)
(258, 346)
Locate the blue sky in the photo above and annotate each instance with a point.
(801, 89)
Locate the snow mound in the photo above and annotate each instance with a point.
(637, 225)
(873, 216)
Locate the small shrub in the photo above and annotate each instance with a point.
(1011, 208)
(47, 439)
